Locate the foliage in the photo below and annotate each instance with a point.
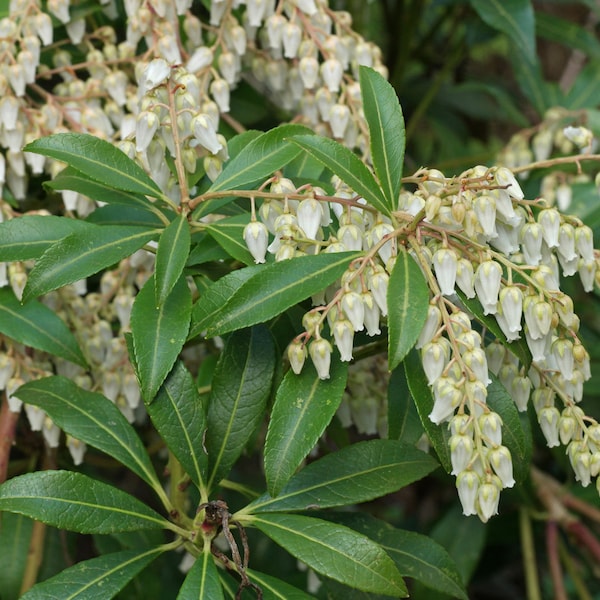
(181, 294)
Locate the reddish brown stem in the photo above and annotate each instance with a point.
(560, 593)
(8, 425)
(585, 537)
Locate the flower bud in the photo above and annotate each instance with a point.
(256, 238)
(320, 353)
(297, 355)
(467, 485)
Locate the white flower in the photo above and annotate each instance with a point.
(445, 263)
(488, 497)
(320, 353)
(344, 335)
(487, 285)
(205, 132)
(155, 73)
(297, 355)
(501, 461)
(548, 418)
(467, 484)
(256, 237)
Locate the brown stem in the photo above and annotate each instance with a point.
(8, 425)
(585, 537)
(556, 573)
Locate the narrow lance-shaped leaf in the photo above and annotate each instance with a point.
(100, 577)
(415, 555)
(171, 255)
(260, 158)
(276, 589)
(240, 388)
(178, 415)
(334, 551)
(408, 301)
(101, 191)
(347, 166)
(91, 418)
(515, 18)
(34, 324)
(355, 474)
(278, 286)
(229, 233)
(83, 253)
(76, 502)
(403, 420)
(202, 581)
(386, 132)
(97, 159)
(159, 333)
(304, 406)
(30, 236)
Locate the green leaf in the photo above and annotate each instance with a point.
(202, 581)
(100, 191)
(568, 33)
(91, 418)
(30, 236)
(211, 302)
(81, 254)
(229, 233)
(515, 18)
(240, 388)
(96, 159)
(76, 502)
(354, 474)
(260, 158)
(347, 166)
(159, 333)
(421, 393)
(178, 415)
(119, 214)
(275, 589)
(15, 537)
(408, 302)
(334, 551)
(386, 128)
(513, 436)
(403, 420)
(304, 406)
(171, 255)
(35, 325)
(518, 347)
(278, 286)
(531, 82)
(415, 555)
(585, 91)
(100, 577)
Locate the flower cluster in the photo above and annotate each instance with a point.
(478, 240)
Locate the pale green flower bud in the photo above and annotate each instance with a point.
(488, 497)
(51, 433)
(320, 353)
(491, 428)
(297, 355)
(501, 462)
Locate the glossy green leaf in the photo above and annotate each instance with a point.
(240, 388)
(229, 233)
(415, 555)
(76, 502)
(515, 18)
(34, 324)
(347, 166)
(513, 436)
(531, 82)
(421, 393)
(518, 347)
(119, 214)
(205, 249)
(159, 333)
(30, 236)
(178, 415)
(211, 302)
(403, 419)
(171, 255)
(334, 551)
(304, 406)
(276, 589)
(408, 302)
(259, 159)
(15, 537)
(386, 132)
(82, 254)
(278, 286)
(100, 191)
(91, 418)
(202, 581)
(354, 474)
(97, 159)
(100, 577)
(464, 540)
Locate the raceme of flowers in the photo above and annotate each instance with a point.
(164, 90)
